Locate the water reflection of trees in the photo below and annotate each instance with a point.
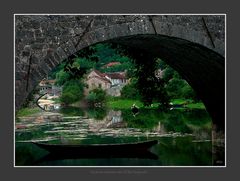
(181, 121)
(179, 151)
(72, 111)
(96, 113)
(148, 119)
(173, 121)
(176, 123)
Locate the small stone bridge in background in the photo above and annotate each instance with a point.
(192, 44)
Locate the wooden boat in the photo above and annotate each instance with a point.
(97, 148)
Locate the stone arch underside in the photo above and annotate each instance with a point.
(202, 68)
(183, 42)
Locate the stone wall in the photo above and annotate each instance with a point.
(115, 91)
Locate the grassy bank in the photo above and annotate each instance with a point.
(190, 105)
(27, 111)
(123, 103)
(198, 105)
(118, 103)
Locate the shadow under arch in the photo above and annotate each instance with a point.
(201, 67)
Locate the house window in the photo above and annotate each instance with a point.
(99, 85)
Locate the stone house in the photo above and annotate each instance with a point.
(116, 78)
(112, 83)
(49, 87)
(96, 79)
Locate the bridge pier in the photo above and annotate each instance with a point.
(218, 146)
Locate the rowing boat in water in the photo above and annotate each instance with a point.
(99, 148)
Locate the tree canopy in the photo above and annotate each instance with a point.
(140, 68)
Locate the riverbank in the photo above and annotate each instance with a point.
(118, 103)
(28, 111)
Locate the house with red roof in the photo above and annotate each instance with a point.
(96, 79)
(106, 81)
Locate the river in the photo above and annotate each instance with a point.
(184, 137)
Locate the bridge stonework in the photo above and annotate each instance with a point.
(193, 44)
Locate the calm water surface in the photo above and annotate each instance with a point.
(184, 137)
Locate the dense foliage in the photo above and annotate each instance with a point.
(72, 92)
(140, 68)
(130, 90)
(150, 87)
(96, 97)
(177, 87)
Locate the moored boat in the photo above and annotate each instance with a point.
(93, 148)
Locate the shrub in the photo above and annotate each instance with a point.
(130, 91)
(96, 96)
(72, 92)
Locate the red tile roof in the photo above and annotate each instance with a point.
(116, 75)
(110, 64)
(99, 73)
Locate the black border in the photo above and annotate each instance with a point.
(8, 172)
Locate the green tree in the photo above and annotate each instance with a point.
(149, 86)
(189, 93)
(91, 98)
(96, 96)
(62, 77)
(130, 90)
(168, 73)
(84, 63)
(72, 92)
(174, 88)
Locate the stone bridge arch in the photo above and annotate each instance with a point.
(192, 44)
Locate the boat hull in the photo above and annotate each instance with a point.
(97, 148)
